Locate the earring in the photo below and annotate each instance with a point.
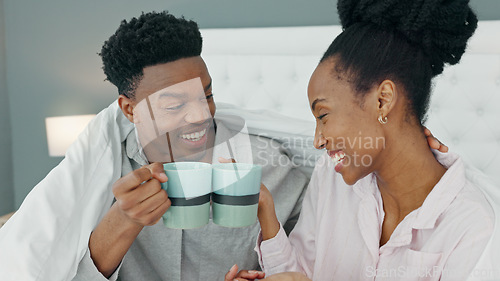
(382, 120)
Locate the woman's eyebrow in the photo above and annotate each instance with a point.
(313, 105)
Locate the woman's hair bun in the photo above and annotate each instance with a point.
(440, 27)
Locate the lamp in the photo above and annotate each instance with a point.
(62, 131)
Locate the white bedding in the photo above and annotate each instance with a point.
(295, 135)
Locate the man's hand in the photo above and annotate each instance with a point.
(139, 196)
(433, 142)
(140, 201)
(243, 275)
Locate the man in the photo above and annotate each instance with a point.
(125, 238)
(167, 54)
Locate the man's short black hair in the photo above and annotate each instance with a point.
(150, 39)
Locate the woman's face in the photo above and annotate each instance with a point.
(346, 125)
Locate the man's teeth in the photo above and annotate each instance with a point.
(194, 136)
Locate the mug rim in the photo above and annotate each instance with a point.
(201, 166)
(239, 166)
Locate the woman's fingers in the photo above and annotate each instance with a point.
(244, 275)
(288, 276)
(231, 274)
(226, 160)
(250, 274)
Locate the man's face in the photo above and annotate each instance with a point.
(173, 111)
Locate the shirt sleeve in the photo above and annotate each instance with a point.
(88, 271)
(296, 252)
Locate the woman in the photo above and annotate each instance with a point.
(381, 205)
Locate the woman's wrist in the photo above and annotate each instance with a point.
(269, 223)
(268, 220)
(270, 229)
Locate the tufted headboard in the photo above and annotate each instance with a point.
(263, 72)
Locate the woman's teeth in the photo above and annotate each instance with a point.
(194, 136)
(338, 157)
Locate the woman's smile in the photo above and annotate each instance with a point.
(338, 157)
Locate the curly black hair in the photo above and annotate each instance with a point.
(407, 41)
(150, 39)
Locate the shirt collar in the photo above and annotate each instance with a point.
(133, 149)
(436, 202)
(424, 217)
(443, 193)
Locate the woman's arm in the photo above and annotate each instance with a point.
(278, 253)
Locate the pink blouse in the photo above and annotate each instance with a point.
(338, 232)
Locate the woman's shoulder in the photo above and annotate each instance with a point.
(472, 205)
(463, 181)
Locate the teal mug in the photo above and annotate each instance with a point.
(235, 196)
(188, 188)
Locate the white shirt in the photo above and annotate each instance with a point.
(338, 232)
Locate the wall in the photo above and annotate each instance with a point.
(53, 70)
(52, 67)
(6, 182)
(262, 13)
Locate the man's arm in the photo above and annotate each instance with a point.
(140, 201)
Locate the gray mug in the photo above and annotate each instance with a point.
(188, 188)
(235, 197)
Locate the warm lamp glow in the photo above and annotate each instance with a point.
(62, 131)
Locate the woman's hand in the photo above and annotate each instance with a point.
(433, 142)
(243, 275)
(266, 214)
(225, 160)
(288, 276)
(250, 275)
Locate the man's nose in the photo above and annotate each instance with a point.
(198, 112)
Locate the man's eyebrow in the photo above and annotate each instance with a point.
(171, 94)
(208, 86)
(313, 105)
(178, 95)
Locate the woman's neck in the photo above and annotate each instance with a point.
(408, 173)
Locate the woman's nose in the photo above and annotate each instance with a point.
(319, 140)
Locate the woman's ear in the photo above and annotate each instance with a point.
(387, 96)
(127, 106)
